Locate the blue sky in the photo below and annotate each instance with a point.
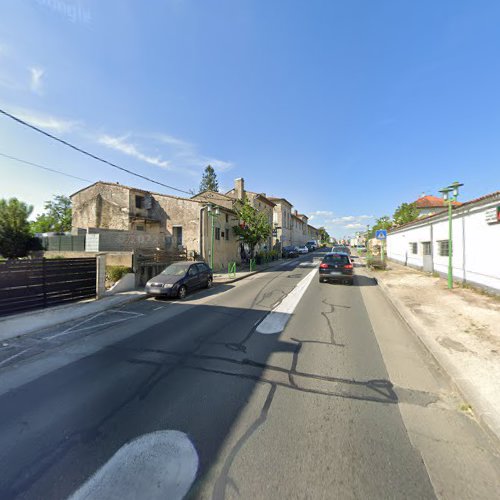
(345, 108)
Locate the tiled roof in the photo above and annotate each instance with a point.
(430, 201)
(495, 194)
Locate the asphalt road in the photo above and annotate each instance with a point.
(161, 399)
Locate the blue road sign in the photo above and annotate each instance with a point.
(381, 234)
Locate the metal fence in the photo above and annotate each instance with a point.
(37, 283)
(64, 243)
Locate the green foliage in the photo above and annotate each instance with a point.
(15, 235)
(209, 180)
(57, 216)
(383, 222)
(254, 228)
(406, 212)
(115, 273)
(323, 235)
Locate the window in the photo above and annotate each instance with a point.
(139, 228)
(426, 247)
(193, 271)
(227, 218)
(443, 248)
(217, 233)
(226, 233)
(414, 248)
(139, 201)
(202, 268)
(177, 235)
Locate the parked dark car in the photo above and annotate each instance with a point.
(290, 252)
(336, 267)
(180, 278)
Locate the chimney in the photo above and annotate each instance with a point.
(239, 188)
(296, 212)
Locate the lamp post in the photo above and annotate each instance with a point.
(213, 212)
(453, 189)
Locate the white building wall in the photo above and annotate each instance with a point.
(476, 245)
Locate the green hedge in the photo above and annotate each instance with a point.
(115, 273)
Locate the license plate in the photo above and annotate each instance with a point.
(336, 272)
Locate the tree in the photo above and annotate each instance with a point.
(254, 227)
(323, 235)
(57, 216)
(383, 222)
(209, 180)
(15, 234)
(406, 212)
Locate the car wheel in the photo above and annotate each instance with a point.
(209, 283)
(181, 294)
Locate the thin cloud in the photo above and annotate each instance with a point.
(70, 9)
(120, 144)
(185, 153)
(45, 121)
(354, 226)
(36, 79)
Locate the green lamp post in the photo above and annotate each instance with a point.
(453, 189)
(213, 212)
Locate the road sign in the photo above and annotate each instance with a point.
(381, 234)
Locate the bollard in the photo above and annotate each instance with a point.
(252, 265)
(231, 269)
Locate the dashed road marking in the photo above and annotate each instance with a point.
(277, 319)
(159, 465)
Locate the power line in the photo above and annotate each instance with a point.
(44, 168)
(91, 155)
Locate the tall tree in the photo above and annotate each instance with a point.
(15, 234)
(57, 216)
(406, 212)
(383, 222)
(254, 226)
(209, 180)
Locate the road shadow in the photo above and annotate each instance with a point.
(194, 373)
(216, 289)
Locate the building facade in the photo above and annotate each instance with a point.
(117, 217)
(423, 244)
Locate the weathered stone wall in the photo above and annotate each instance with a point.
(101, 205)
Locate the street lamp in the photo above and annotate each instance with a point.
(213, 212)
(453, 189)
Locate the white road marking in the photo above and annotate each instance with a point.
(159, 307)
(74, 328)
(126, 312)
(277, 319)
(159, 465)
(12, 357)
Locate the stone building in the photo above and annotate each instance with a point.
(282, 221)
(258, 200)
(127, 218)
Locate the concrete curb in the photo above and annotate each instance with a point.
(31, 321)
(482, 409)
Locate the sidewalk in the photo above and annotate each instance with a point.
(460, 327)
(31, 321)
(224, 278)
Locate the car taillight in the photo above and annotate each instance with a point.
(323, 266)
(348, 266)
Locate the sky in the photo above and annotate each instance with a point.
(345, 108)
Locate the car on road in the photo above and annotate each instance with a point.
(341, 249)
(179, 278)
(312, 245)
(289, 252)
(336, 266)
(303, 250)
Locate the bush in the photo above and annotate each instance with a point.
(115, 273)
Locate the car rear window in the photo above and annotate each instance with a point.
(336, 259)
